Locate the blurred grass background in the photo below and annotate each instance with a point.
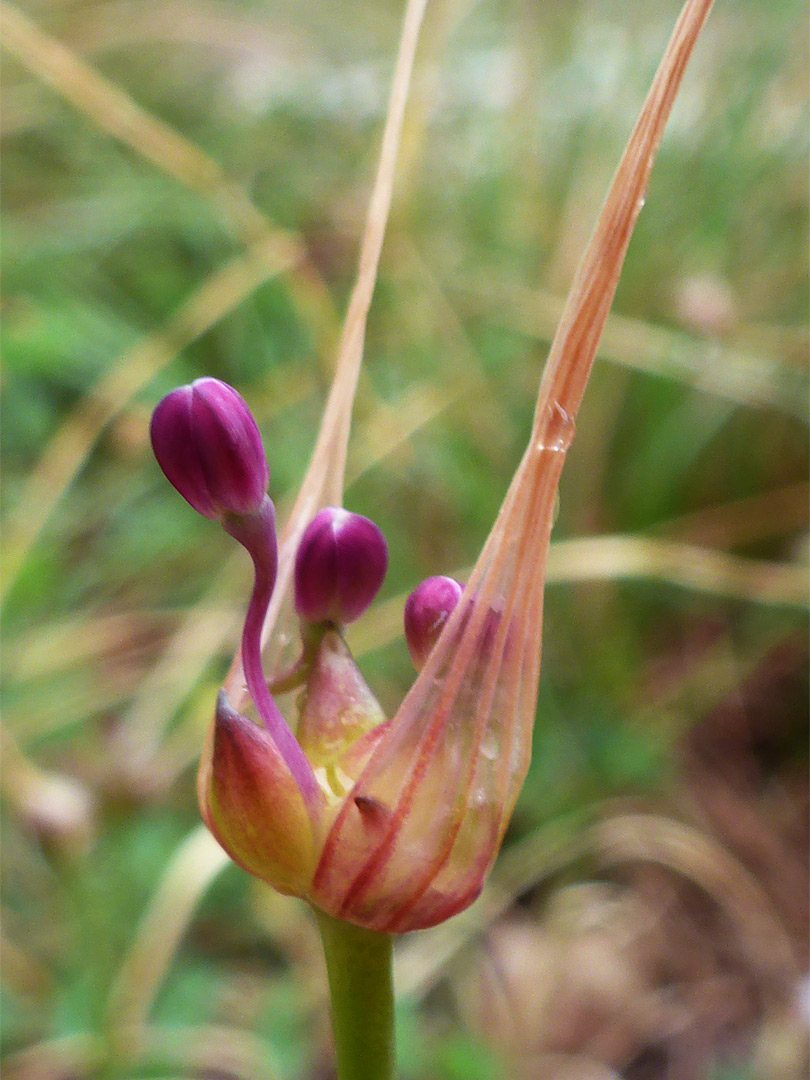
(185, 184)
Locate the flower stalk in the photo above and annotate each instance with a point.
(361, 989)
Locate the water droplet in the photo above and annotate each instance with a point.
(489, 746)
(480, 798)
(516, 757)
(558, 429)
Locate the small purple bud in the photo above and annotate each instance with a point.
(340, 565)
(207, 443)
(427, 609)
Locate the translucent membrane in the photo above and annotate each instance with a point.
(412, 844)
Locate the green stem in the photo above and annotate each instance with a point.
(361, 988)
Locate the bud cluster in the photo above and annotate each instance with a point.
(393, 824)
(273, 796)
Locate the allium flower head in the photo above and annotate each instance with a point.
(391, 824)
(207, 443)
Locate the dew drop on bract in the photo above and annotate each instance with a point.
(489, 746)
(558, 430)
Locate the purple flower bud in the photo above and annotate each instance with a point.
(340, 565)
(207, 443)
(427, 609)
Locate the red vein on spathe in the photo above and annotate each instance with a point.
(530, 509)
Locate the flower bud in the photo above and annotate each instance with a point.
(340, 565)
(207, 443)
(427, 609)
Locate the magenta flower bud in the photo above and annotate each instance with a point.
(427, 609)
(340, 565)
(207, 443)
